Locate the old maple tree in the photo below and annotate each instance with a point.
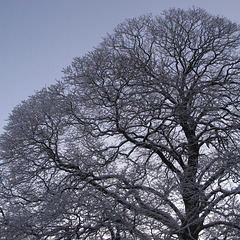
(140, 140)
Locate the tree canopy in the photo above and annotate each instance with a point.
(139, 140)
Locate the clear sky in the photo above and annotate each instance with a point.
(40, 37)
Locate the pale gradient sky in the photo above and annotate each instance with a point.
(40, 37)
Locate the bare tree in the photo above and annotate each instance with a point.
(139, 141)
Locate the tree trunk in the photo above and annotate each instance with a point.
(191, 198)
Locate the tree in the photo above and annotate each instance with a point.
(140, 140)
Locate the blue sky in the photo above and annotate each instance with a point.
(40, 37)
